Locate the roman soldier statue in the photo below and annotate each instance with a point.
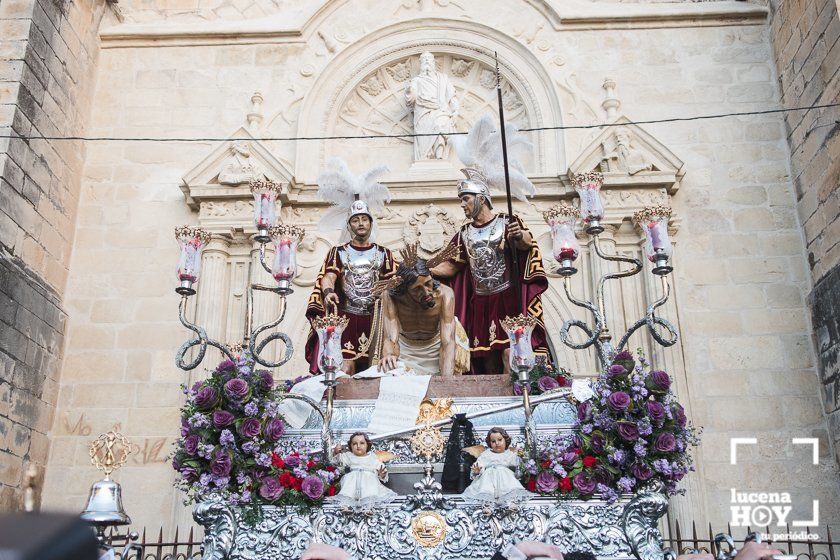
(481, 273)
(350, 270)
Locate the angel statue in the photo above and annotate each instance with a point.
(364, 484)
(494, 480)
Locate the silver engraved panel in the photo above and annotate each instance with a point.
(361, 271)
(487, 259)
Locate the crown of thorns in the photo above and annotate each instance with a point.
(409, 262)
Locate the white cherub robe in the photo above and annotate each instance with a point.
(496, 482)
(361, 485)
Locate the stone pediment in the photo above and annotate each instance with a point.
(629, 156)
(224, 174)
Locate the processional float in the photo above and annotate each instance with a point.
(426, 523)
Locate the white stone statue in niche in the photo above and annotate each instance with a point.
(625, 157)
(432, 97)
(239, 168)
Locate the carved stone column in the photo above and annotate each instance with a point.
(213, 289)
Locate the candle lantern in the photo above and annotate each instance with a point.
(588, 186)
(265, 211)
(522, 358)
(329, 329)
(286, 240)
(658, 249)
(562, 219)
(192, 241)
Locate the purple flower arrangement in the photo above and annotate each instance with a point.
(543, 378)
(229, 444)
(632, 432)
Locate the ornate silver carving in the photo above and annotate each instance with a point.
(361, 271)
(617, 530)
(487, 260)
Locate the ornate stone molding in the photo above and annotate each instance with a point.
(432, 227)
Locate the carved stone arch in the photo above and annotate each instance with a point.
(461, 40)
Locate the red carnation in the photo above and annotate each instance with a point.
(310, 464)
(297, 483)
(565, 484)
(589, 461)
(277, 461)
(331, 490)
(330, 468)
(532, 485)
(286, 479)
(546, 464)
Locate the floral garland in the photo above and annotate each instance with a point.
(230, 429)
(632, 432)
(543, 377)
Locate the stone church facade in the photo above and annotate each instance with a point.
(88, 317)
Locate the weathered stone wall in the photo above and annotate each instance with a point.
(805, 40)
(47, 59)
(741, 269)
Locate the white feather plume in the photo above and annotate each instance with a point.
(482, 149)
(339, 186)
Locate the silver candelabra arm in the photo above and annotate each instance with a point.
(201, 340)
(254, 348)
(637, 268)
(591, 334)
(651, 321)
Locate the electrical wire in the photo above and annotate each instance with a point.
(411, 135)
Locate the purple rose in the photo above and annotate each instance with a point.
(597, 443)
(622, 356)
(237, 389)
(266, 380)
(270, 488)
(568, 458)
(601, 476)
(584, 409)
(547, 482)
(665, 443)
(517, 389)
(619, 401)
(641, 471)
(546, 383)
(274, 429)
(655, 410)
(292, 460)
(226, 365)
(206, 398)
(313, 487)
(628, 431)
(658, 381)
(678, 413)
(221, 464)
(189, 474)
(250, 428)
(584, 483)
(191, 444)
(222, 418)
(616, 370)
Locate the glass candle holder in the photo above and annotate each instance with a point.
(265, 210)
(192, 241)
(522, 358)
(658, 248)
(286, 240)
(588, 186)
(564, 245)
(329, 329)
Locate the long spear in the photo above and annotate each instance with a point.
(513, 250)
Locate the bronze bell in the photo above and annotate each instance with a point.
(105, 506)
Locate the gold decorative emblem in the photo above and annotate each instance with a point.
(475, 342)
(427, 441)
(432, 411)
(349, 345)
(492, 332)
(428, 528)
(109, 452)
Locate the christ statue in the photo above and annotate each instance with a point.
(420, 328)
(432, 97)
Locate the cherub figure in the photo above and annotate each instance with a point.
(493, 473)
(364, 483)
